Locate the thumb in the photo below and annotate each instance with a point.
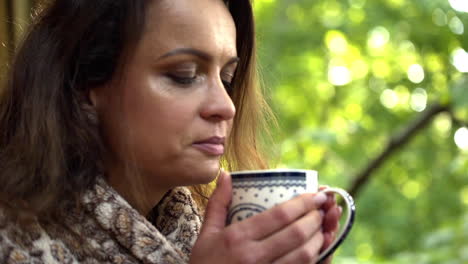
(216, 210)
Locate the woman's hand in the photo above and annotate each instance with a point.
(330, 221)
(288, 233)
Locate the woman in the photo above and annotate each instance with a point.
(113, 106)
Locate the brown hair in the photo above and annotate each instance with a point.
(50, 147)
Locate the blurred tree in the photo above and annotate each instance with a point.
(373, 94)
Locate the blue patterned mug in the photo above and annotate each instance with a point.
(256, 191)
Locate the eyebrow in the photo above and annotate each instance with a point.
(198, 53)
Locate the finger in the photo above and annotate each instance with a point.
(330, 226)
(331, 201)
(217, 207)
(330, 222)
(308, 253)
(293, 236)
(262, 225)
(327, 240)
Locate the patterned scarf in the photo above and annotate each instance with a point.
(107, 230)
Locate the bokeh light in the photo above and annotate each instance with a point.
(418, 101)
(461, 138)
(389, 98)
(459, 5)
(416, 73)
(357, 3)
(443, 125)
(364, 252)
(434, 63)
(356, 15)
(326, 91)
(332, 14)
(411, 189)
(336, 42)
(381, 68)
(339, 75)
(360, 69)
(378, 37)
(261, 4)
(464, 195)
(396, 3)
(403, 96)
(460, 59)
(456, 25)
(439, 17)
(354, 111)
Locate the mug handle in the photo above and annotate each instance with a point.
(351, 208)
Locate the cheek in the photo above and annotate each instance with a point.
(159, 123)
(151, 125)
(159, 118)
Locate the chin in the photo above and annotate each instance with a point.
(207, 177)
(205, 174)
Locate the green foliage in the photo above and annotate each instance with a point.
(344, 76)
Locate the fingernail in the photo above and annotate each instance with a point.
(323, 187)
(320, 198)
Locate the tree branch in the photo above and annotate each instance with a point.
(397, 141)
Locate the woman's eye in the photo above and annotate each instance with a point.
(184, 78)
(227, 78)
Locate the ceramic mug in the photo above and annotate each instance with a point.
(256, 191)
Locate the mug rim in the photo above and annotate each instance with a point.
(284, 170)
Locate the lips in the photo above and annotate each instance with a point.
(213, 146)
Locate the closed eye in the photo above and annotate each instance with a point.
(183, 80)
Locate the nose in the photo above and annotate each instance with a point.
(218, 105)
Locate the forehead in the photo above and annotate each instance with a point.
(206, 25)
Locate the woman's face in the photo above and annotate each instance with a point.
(170, 111)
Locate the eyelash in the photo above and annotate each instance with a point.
(188, 81)
(183, 80)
